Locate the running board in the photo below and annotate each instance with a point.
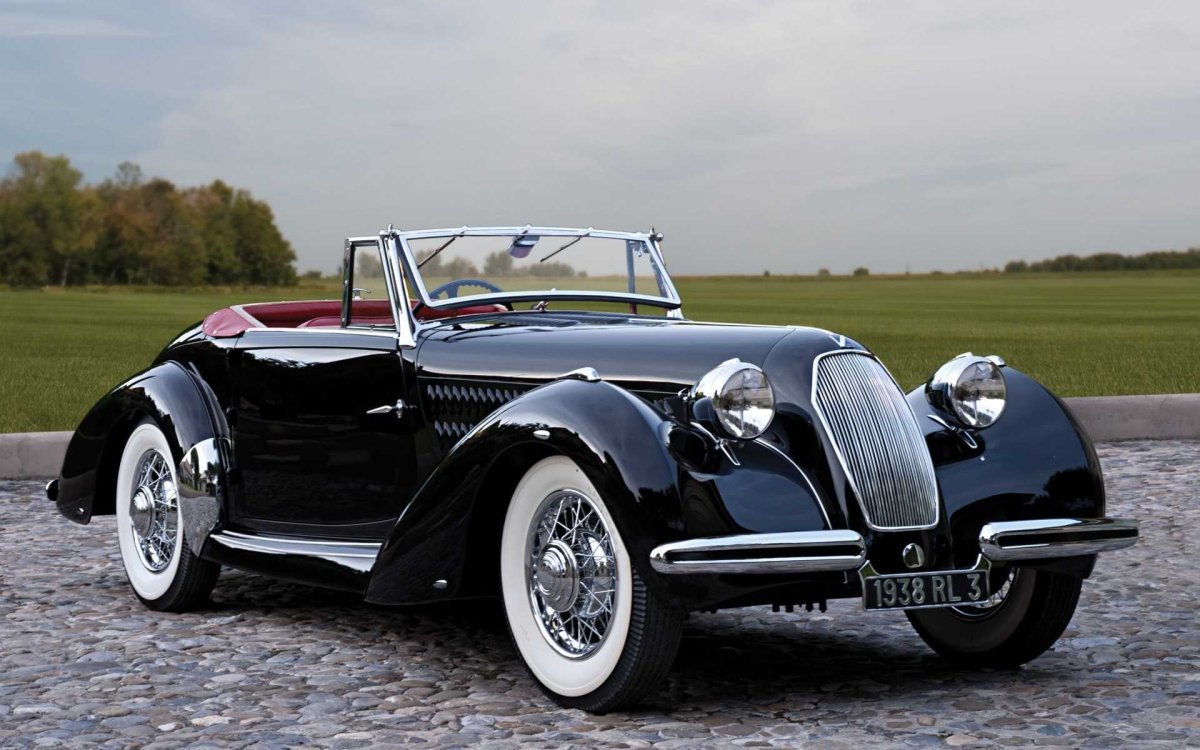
(357, 556)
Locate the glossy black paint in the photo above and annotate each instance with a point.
(646, 354)
(433, 485)
(450, 528)
(165, 393)
(311, 460)
(1035, 462)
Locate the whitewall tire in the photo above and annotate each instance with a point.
(581, 618)
(162, 571)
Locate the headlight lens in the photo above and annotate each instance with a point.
(971, 388)
(741, 398)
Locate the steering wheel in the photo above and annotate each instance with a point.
(450, 288)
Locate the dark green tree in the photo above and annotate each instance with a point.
(41, 217)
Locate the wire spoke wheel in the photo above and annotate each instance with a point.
(1002, 580)
(164, 573)
(591, 632)
(153, 512)
(572, 573)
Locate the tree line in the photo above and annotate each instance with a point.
(496, 265)
(1153, 261)
(55, 230)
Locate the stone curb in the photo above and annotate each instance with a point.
(1173, 416)
(29, 455)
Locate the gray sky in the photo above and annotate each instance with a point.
(786, 136)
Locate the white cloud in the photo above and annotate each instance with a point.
(802, 134)
(34, 25)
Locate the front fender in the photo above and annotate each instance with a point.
(611, 434)
(1035, 462)
(177, 403)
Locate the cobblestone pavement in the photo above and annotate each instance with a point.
(270, 664)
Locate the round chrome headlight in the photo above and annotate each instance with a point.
(971, 389)
(740, 398)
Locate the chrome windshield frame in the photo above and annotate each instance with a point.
(411, 274)
(405, 333)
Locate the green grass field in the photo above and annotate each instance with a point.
(1083, 335)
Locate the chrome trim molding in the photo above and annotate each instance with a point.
(201, 488)
(721, 443)
(786, 552)
(876, 439)
(407, 324)
(1055, 537)
(240, 311)
(811, 487)
(583, 373)
(359, 556)
(963, 433)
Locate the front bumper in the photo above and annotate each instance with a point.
(845, 550)
(788, 552)
(1007, 541)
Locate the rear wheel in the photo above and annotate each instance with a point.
(1028, 612)
(161, 569)
(587, 627)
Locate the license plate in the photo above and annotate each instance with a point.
(918, 590)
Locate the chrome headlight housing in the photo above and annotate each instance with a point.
(738, 397)
(971, 389)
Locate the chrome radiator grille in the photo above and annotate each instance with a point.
(878, 441)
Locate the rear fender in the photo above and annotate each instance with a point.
(184, 410)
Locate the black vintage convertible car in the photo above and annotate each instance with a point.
(525, 413)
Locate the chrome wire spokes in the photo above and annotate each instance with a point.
(988, 607)
(572, 573)
(152, 511)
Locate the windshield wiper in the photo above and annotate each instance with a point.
(564, 247)
(434, 254)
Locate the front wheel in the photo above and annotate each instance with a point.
(162, 571)
(587, 627)
(1026, 615)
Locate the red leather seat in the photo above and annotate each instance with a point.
(336, 320)
(431, 313)
(232, 321)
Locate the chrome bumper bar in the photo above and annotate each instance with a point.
(788, 552)
(1003, 541)
(844, 550)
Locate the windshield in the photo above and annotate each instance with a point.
(457, 266)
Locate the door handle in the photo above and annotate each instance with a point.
(397, 408)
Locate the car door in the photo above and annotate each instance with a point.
(322, 440)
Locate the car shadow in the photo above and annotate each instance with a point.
(774, 660)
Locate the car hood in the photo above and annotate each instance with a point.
(659, 355)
